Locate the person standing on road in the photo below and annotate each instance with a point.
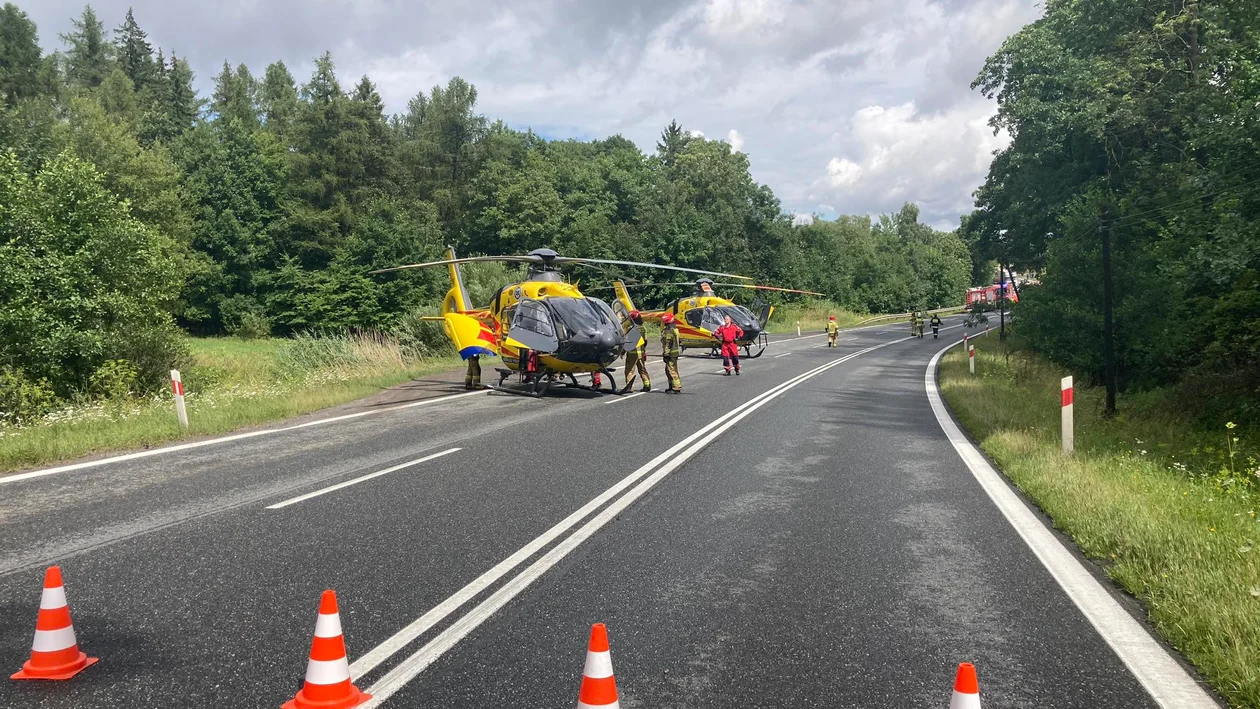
(671, 348)
(728, 336)
(472, 378)
(636, 359)
(833, 331)
(936, 325)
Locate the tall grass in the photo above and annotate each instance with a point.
(812, 316)
(1168, 509)
(230, 384)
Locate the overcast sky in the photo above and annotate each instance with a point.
(843, 106)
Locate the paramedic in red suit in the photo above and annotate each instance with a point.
(728, 335)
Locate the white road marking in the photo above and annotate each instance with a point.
(667, 461)
(360, 479)
(1166, 681)
(4, 479)
(226, 439)
(624, 398)
(785, 354)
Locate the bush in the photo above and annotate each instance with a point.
(82, 281)
(114, 380)
(23, 400)
(244, 317)
(424, 338)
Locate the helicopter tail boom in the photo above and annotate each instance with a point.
(471, 336)
(457, 297)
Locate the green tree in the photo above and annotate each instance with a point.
(234, 176)
(234, 96)
(135, 54)
(89, 55)
(278, 99)
(672, 142)
(20, 59)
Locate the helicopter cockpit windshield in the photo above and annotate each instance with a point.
(577, 316)
(741, 317)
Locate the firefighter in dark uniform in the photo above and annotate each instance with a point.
(636, 359)
(472, 378)
(936, 325)
(671, 349)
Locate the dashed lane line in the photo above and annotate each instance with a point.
(226, 439)
(362, 478)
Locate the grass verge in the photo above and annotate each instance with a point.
(812, 316)
(230, 384)
(1168, 509)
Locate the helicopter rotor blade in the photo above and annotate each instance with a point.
(723, 285)
(774, 288)
(644, 285)
(468, 259)
(570, 259)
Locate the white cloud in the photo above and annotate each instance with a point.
(802, 218)
(696, 133)
(935, 159)
(843, 172)
(736, 140)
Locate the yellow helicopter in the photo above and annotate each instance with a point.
(703, 312)
(544, 329)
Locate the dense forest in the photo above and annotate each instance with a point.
(1138, 122)
(132, 207)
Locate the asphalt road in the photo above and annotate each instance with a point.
(826, 548)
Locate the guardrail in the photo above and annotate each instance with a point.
(957, 308)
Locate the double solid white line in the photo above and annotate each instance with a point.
(654, 471)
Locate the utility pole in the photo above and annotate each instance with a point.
(1109, 330)
(1001, 304)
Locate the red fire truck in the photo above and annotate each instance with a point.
(989, 294)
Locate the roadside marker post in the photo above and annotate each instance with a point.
(798, 328)
(971, 358)
(177, 386)
(1066, 396)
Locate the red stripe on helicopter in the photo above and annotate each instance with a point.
(487, 336)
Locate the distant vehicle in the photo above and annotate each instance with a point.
(989, 294)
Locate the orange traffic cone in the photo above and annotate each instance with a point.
(327, 684)
(966, 688)
(55, 653)
(599, 687)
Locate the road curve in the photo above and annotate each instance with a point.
(802, 535)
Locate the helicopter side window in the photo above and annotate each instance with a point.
(693, 317)
(532, 315)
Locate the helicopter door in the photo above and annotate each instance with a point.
(631, 333)
(761, 309)
(532, 326)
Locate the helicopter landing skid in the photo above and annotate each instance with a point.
(572, 383)
(760, 343)
(536, 387)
